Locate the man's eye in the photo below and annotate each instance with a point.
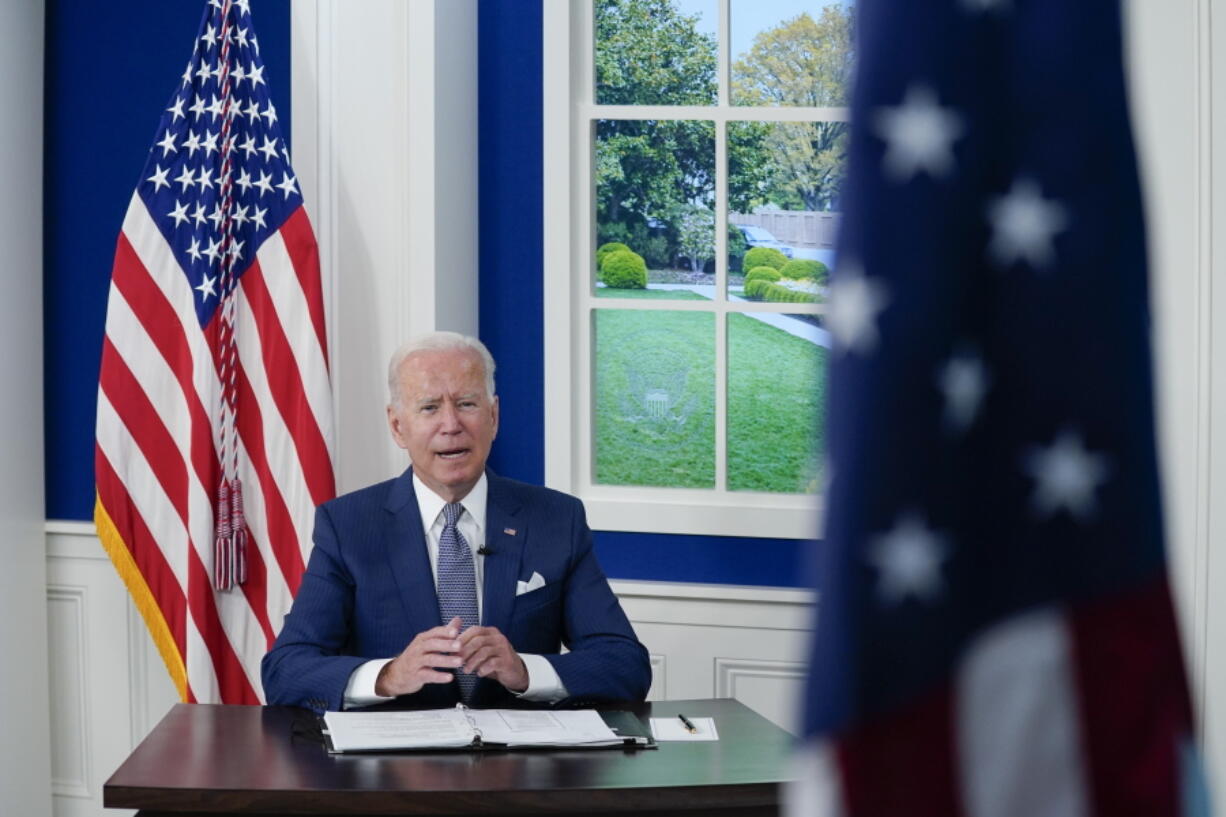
(428, 409)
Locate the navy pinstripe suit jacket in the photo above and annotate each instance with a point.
(368, 590)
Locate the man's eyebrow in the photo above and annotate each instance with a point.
(421, 401)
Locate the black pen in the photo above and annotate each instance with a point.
(689, 727)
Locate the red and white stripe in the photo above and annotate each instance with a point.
(1062, 712)
(157, 443)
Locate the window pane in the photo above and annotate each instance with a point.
(655, 191)
(791, 52)
(655, 52)
(784, 183)
(776, 402)
(654, 401)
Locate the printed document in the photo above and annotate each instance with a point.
(463, 727)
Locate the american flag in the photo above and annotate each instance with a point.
(214, 427)
(996, 633)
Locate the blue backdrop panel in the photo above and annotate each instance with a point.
(512, 315)
(510, 249)
(110, 71)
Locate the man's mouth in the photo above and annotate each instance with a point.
(452, 455)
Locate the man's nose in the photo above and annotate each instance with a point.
(449, 419)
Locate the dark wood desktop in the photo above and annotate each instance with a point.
(245, 760)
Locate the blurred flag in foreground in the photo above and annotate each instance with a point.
(996, 634)
(214, 429)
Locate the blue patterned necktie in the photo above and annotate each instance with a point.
(457, 584)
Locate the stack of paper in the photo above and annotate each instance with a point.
(476, 728)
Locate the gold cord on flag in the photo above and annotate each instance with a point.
(230, 537)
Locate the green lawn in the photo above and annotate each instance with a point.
(655, 396)
(776, 408)
(651, 294)
(655, 392)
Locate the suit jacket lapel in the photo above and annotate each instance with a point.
(505, 535)
(407, 556)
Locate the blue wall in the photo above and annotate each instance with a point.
(108, 79)
(110, 70)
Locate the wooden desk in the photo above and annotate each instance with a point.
(245, 760)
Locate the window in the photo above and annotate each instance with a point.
(694, 154)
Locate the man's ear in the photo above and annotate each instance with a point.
(393, 425)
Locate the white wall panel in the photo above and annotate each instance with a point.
(719, 641)
(773, 688)
(1179, 84)
(385, 137)
(659, 677)
(1167, 81)
(1178, 91)
(69, 741)
(108, 685)
(25, 754)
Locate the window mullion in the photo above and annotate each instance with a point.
(721, 299)
(724, 52)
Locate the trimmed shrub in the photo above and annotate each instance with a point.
(755, 288)
(764, 274)
(759, 289)
(654, 244)
(605, 249)
(763, 257)
(624, 269)
(804, 269)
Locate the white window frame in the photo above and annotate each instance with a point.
(568, 111)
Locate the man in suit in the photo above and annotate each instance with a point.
(449, 582)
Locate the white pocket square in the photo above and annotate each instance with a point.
(535, 583)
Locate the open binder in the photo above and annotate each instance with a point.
(478, 729)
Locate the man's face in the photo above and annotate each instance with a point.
(444, 419)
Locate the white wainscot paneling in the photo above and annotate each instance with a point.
(773, 688)
(69, 758)
(108, 684)
(748, 643)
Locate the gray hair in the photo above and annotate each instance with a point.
(438, 342)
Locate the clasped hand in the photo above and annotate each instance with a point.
(484, 651)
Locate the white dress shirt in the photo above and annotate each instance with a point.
(543, 682)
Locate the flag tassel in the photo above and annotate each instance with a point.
(223, 544)
(238, 528)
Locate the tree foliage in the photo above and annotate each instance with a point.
(651, 175)
(695, 234)
(648, 53)
(800, 62)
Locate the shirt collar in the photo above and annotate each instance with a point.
(431, 504)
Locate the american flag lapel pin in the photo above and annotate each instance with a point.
(509, 531)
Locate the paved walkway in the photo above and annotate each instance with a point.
(801, 329)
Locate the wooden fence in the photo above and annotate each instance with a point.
(798, 228)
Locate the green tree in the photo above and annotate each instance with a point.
(801, 62)
(750, 169)
(649, 53)
(695, 234)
